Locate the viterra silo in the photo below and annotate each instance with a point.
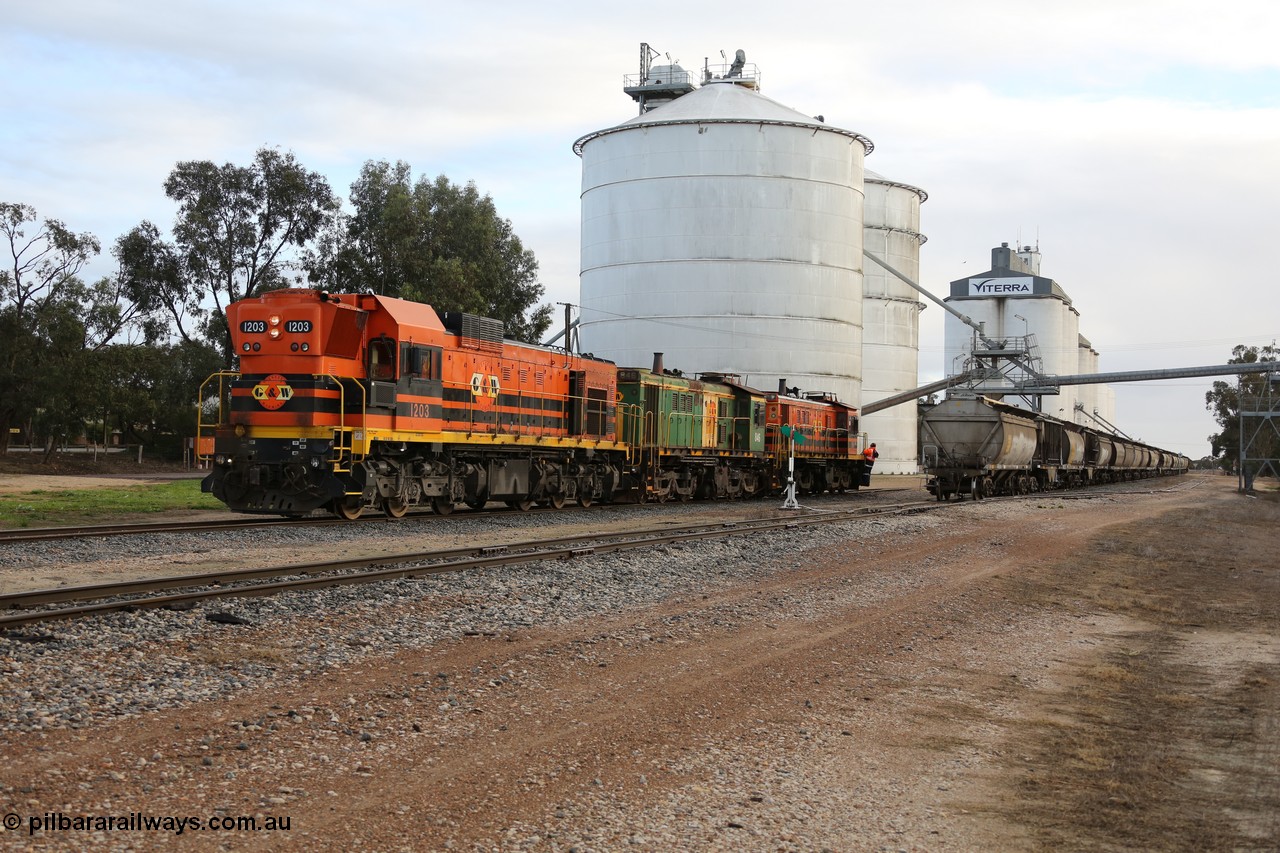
(725, 230)
(891, 318)
(1011, 300)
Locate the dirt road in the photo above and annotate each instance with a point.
(1041, 674)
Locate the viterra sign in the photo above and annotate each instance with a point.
(1021, 286)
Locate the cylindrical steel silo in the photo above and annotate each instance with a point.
(725, 230)
(1047, 316)
(1056, 326)
(891, 318)
(1087, 395)
(1107, 402)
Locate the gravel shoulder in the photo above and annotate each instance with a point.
(994, 676)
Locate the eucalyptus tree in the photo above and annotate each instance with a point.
(432, 241)
(237, 233)
(1224, 402)
(44, 308)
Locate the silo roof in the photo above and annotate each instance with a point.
(876, 178)
(724, 103)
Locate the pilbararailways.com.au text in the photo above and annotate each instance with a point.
(141, 822)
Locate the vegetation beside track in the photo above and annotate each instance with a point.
(51, 507)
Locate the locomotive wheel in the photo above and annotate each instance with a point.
(442, 505)
(476, 504)
(521, 506)
(584, 499)
(395, 507)
(347, 508)
(556, 501)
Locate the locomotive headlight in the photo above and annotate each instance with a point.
(306, 347)
(274, 319)
(274, 333)
(316, 461)
(246, 346)
(293, 347)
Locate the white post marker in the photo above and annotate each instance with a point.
(790, 502)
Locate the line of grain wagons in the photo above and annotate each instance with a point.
(979, 446)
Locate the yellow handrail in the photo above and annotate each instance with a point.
(343, 435)
(205, 429)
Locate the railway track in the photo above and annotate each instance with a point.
(39, 534)
(181, 591)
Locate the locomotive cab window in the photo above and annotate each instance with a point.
(597, 410)
(382, 359)
(419, 362)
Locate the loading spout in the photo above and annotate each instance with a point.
(914, 394)
(963, 318)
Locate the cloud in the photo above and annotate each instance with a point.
(1134, 141)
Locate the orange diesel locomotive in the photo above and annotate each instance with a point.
(823, 433)
(352, 402)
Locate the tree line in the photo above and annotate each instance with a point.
(1261, 438)
(126, 354)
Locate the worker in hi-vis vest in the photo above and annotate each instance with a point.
(871, 454)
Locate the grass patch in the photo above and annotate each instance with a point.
(56, 507)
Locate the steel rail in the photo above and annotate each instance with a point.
(37, 534)
(457, 559)
(198, 526)
(451, 560)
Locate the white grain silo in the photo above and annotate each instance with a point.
(1012, 299)
(1106, 403)
(1063, 357)
(1097, 400)
(1087, 395)
(891, 318)
(725, 230)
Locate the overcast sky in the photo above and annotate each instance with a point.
(1137, 142)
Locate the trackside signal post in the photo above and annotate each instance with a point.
(792, 436)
